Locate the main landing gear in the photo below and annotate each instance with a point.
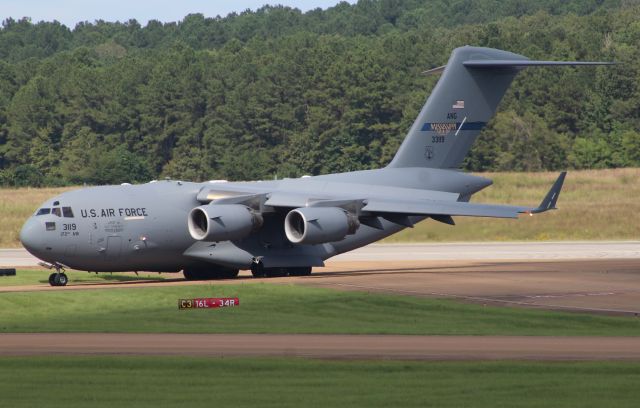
(209, 274)
(259, 271)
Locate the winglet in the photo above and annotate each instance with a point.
(550, 200)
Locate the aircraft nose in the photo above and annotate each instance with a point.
(31, 235)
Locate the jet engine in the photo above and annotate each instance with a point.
(317, 225)
(223, 222)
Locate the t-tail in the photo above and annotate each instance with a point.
(465, 98)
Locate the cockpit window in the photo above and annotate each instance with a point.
(67, 212)
(50, 226)
(43, 211)
(56, 211)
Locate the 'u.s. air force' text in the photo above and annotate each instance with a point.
(113, 212)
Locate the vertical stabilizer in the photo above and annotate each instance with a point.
(461, 104)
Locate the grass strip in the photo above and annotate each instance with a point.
(238, 382)
(279, 308)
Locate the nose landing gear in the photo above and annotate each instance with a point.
(58, 278)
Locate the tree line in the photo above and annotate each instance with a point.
(281, 93)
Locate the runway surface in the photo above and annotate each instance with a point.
(19, 257)
(326, 346)
(494, 251)
(608, 286)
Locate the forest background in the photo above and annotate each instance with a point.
(281, 93)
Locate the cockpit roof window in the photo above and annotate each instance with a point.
(56, 211)
(67, 212)
(43, 211)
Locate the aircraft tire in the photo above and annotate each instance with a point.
(201, 274)
(300, 271)
(193, 274)
(229, 273)
(52, 279)
(276, 272)
(189, 274)
(63, 279)
(60, 279)
(258, 270)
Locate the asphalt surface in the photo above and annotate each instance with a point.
(494, 251)
(326, 346)
(445, 251)
(16, 257)
(603, 286)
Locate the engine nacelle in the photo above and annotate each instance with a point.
(223, 222)
(317, 225)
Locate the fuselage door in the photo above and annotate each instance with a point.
(114, 246)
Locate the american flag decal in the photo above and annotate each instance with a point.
(458, 105)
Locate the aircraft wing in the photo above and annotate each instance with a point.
(458, 208)
(434, 204)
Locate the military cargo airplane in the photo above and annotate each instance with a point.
(286, 227)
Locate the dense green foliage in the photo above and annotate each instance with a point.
(278, 92)
(160, 381)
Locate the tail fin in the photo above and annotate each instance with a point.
(462, 102)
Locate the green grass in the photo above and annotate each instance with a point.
(272, 308)
(238, 382)
(38, 276)
(594, 205)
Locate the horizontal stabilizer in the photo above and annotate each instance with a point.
(527, 63)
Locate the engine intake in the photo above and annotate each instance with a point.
(223, 222)
(317, 225)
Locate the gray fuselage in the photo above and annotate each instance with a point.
(144, 227)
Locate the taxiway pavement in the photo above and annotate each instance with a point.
(18, 257)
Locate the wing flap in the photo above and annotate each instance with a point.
(455, 208)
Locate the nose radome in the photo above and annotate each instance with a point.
(30, 235)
